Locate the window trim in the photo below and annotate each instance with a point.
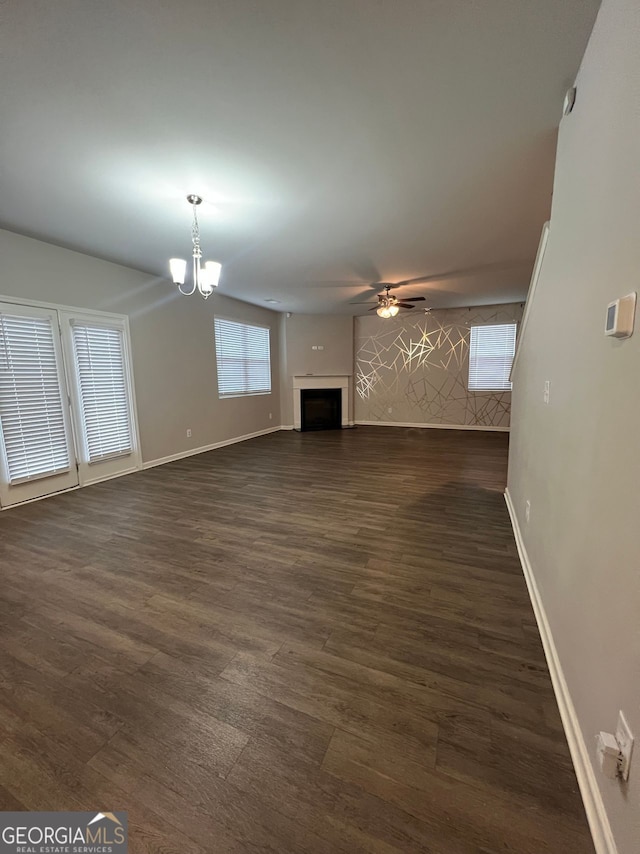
(232, 395)
(492, 389)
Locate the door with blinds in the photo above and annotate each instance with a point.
(67, 407)
(37, 454)
(101, 390)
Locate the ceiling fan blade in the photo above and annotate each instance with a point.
(373, 308)
(364, 302)
(364, 267)
(413, 299)
(405, 305)
(346, 283)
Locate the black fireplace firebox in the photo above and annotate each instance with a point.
(321, 408)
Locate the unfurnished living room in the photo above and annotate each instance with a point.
(319, 414)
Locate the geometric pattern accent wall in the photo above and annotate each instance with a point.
(415, 370)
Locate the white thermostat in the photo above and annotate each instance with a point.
(620, 317)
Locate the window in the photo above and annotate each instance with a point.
(490, 357)
(103, 393)
(244, 358)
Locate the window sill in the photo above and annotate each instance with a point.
(246, 394)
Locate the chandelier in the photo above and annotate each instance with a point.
(205, 278)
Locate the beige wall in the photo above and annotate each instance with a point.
(171, 338)
(299, 333)
(413, 368)
(577, 460)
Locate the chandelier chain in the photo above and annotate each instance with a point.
(195, 233)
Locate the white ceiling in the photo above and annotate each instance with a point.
(335, 141)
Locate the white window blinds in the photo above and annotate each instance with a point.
(244, 359)
(103, 390)
(31, 413)
(491, 352)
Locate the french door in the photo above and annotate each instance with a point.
(67, 413)
(101, 394)
(37, 454)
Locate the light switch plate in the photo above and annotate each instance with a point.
(624, 737)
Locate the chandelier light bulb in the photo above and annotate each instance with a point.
(204, 283)
(213, 268)
(178, 269)
(383, 311)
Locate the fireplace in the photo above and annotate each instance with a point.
(338, 384)
(320, 408)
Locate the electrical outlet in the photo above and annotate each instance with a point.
(390, 410)
(624, 737)
(547, 391)
(527, 511)
(189, 433)
(270, 416)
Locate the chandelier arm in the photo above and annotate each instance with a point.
(187, 293)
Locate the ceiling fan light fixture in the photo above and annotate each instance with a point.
(393, 310)
(383, 311)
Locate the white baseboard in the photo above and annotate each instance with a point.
(150, 464)
(95, 480)
(433, 426)
(594, 807)
(193, 451)
(82, 485)
(293, 426)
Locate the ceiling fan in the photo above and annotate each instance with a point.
(389, 305)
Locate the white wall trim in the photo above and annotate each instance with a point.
(433, 426)
(72, 309)
(193, 451)
(293, 427)
(594, 806)
(149, 465)
(82, 485)
(537, 267)
(102, 478)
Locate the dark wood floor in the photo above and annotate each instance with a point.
(302, 643)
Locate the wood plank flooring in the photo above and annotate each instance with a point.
(303, 643)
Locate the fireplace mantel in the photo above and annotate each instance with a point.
(302, 381)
